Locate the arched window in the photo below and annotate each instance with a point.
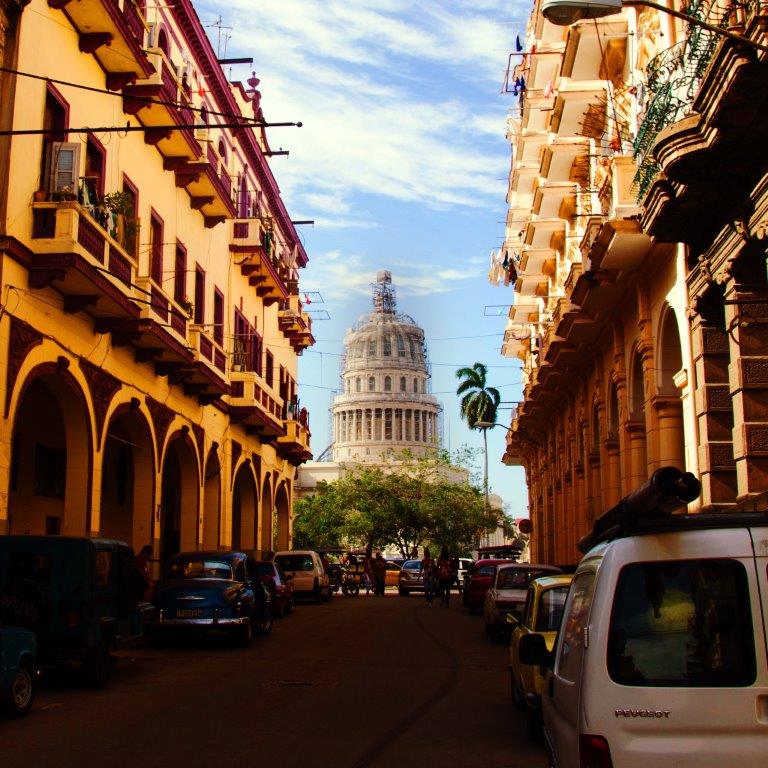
(371, 384)
(222, 151)
(613, 415)
(636, 389)
(400, 346)
(402, 383)
(415, 385)
(596, 430)
(387, 383)
(372, 348)
(358, 384)
(387, 346)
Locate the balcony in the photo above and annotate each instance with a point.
(552, 197)
(596, 51)
(538, 261)
(294, 445)
(295, 324)
(76, 256)
(211, 359)
(574, 104)
(545, 233)
(163, 85)
(258, 259)
(253, 406)
(113, 31)
(564, 158)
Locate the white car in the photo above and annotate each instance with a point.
(661, 657)
(507, 594)
(305, 569)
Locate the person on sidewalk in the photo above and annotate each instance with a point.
(428, 575)
(444, 568)
(379, 568)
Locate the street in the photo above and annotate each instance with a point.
(360, 682)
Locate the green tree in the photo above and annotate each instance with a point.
(479, 402)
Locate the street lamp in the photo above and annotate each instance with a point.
(563, 13)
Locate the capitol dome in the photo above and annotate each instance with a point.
(386, 405)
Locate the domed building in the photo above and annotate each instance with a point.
(386, 405)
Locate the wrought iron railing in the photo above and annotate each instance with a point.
(672, 81)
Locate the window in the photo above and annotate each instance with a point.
(387, 383)
(218, 316)
(550, 613)
(372, 348)
(358, 384)
(199, 295)
(50, 478)
(571, 637)
(400, 346)
(257, 353)
(387, 346)
(64, 167)
(56, 118)
(517, 578)
(371, 384)
(180, 274)
(682, 623)
(94, 166)
(130, 231)
(530, 598)
(270, 372)
(402, 383)
(415, 385)
(156, 236)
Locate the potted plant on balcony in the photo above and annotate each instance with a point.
(188, 307)
(116, 216)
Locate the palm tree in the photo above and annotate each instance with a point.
(479, 403)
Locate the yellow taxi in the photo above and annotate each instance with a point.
(542, 614)
(392, 578)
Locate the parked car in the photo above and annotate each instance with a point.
(280, 587)
(460, 573)
(393, 574)
(18, 673)
(507, 595)
(661, 657)
(219, 591)
(410, 578)
(542, 613)
(306, 569)
(481, 576)
(81, 597)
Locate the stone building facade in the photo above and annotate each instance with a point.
(151, 320)
(636, 247)
(386, 406)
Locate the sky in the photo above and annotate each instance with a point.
(402, 164)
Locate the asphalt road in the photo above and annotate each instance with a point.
(355, 683)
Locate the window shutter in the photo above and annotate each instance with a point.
(64, 166)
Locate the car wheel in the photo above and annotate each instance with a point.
(264, 625)
(328, 595)
(244, 634)
(21, 692)
(403, 592)
(290, 606)
(517, 697)
(97, 666)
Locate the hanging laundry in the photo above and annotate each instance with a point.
(496, 271)
(523, 86)
(505, 263)
(307, 300)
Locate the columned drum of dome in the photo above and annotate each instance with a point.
(386, 405)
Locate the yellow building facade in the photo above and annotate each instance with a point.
(150, 320)
(636, 249)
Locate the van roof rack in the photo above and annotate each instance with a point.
(650, 509)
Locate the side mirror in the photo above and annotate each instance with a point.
(533, 650)
(512, 619)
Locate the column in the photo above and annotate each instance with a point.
(746, 314)
(638, 454)
(714, 409)
(669, 418)
(402, 423)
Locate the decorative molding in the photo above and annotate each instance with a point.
(199, 434)
(23, 338)
(237, 450)
(162, 416)
(103, 387)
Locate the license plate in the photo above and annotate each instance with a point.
(189, 613)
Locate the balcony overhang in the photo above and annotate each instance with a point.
(573, 102)
(529, 147)
(522, 312)
(620, 245)
(560, 156)
(538, 261)
(294, 445)
(578, 328)
(596, 50)
(531, 285)
(551, 198)
(252, 406)
(205, 187)
(562, 353)
(113, 32)
(544, 233)
(596, 291)
(523, 178)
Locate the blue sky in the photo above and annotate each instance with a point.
(402, 163)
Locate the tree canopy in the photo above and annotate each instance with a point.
(405, 504)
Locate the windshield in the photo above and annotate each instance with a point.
(517, 578)
(295, 562)
(412, 565)
(200, 569)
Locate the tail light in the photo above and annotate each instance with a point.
(594, 752)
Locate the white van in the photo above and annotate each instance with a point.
(305, 569)
(661, 656)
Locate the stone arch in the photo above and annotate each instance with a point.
(179, 496)
(128, 478)
(212, 501)
(51, 455)
(266, 544)
(669, 353)
(244, 508)
(282, 517)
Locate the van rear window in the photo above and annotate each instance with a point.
(682, 624)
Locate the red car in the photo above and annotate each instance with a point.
(279, 587)
(480, 581)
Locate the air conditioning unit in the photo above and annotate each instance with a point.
(203, 134)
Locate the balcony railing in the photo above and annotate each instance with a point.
(673, 79)
(134, 20)
(158, 305)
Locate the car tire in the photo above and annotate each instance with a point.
(517, 697)
(244, 634)
(277, 611)
(97, 666)
(21, 692)
(290, 606)
(328, 595)
(403, 592)
(264, 624)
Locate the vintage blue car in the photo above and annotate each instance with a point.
(212, 591)
(18, 676)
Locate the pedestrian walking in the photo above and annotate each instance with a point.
(444, 568)
(379, 568)
(428, 575)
